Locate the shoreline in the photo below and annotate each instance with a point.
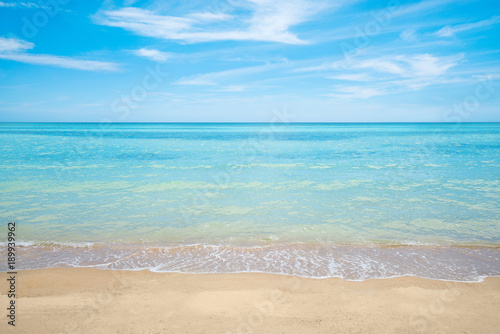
(461, 264)
(65, 300)
(480, 280)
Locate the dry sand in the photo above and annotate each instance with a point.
(79, 300)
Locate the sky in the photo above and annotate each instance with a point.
(249, 60)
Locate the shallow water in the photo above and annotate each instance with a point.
(346, 200)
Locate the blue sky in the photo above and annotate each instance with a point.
(241, 60)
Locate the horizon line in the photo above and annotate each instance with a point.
(268, 122)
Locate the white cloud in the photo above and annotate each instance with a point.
(14, 44)
(215, 78)
(58, 61)
(19, 4)
(13, 49)
(210, 16)
(146, 23)
(270, 20)
(381, 65)
(352, 77)
(234, 88)
(426, 65)
(153, 54)
(413, 84)
(449, 31)
(392, 74)
(418, 65)
(32, 5)
(197, 80)
(322, 67)
(89, 105)
(408, 35)
(357, 92)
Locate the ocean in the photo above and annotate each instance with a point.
(355, 201)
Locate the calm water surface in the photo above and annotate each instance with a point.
(322, 200)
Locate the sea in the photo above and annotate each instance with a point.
(350, 200)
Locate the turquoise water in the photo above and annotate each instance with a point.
(348, 200)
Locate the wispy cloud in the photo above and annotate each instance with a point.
(408, 35)
(207, 16)
(357, 92)
(418, 65)
(269, 20)
(352, 77)
(215, 78)
(387, 74)
(31, 5)
(19, 4)
(90, 105)
(449, 31)
(153, 54)
(59, 61)
(14, 44)
(197, 80)
(14, 49)
(233, 88)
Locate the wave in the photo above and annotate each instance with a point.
(350, 262)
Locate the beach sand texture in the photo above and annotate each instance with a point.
(83, 300)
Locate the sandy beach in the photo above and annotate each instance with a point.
(81, 300)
